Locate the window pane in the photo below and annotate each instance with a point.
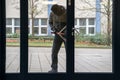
(8, 21)
(17, 22)
(41, 41)
(82, 22)
(82, 30)
(17, 30)
(91, 21)
(75, 21)
(36, 22)
(8, 30)
(12, 36)
(43, 21)
(93, 50)
(36, 30)
(91, 30)
(44, 30)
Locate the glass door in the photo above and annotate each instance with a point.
(40, 38)
(93, 36)
(12, 36)
(23, 61)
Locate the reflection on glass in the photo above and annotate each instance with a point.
(12, 36)
(40, 37)
(93, 36)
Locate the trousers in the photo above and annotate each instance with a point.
(55, 50)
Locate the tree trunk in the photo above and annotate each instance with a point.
(32, 26)
(108, 25)
(32, 20)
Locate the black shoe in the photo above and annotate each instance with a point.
(53, 71)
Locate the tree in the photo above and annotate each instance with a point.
(35, 7)
(106, 10)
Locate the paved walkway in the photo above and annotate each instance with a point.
(86, 60)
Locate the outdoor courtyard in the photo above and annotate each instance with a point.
(86, 60)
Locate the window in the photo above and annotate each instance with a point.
(82, 30)
(70, 65)
(8, 21)
(91, 30)
(43, 21)
(86, 25)
(91, 21)
(82, 22)
(36, 30)
(12, 38)
(36, 22)
(8, 30)
(17, 30)
(44, 30)
(75, 21)
(8, 25)
(89, 59)
(17, 22)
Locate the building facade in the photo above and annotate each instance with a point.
(87, 18)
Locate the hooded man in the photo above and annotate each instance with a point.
(57, 21)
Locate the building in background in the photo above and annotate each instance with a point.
(87, 17)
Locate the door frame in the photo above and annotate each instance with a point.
(69, 75)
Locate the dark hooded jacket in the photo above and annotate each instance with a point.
(57, 22)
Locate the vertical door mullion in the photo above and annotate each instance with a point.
(70, 39)
(23, 38)
(2, 39)
(116, 36)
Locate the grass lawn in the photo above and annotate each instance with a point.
(12, 44)
(40, 44)
(49, 44)
(32, 44)
(90, 45)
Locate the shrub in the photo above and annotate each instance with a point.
(99, 39)
(82, 38)
(15, 35)
(39, 37)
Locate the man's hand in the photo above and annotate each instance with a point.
(59, 33)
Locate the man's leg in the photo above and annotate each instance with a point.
(55, 49)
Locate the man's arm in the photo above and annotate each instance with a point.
(51, 21)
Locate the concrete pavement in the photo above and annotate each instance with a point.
(86, 60)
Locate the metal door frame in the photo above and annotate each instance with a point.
(69, 75)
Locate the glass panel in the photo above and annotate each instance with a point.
(36, 30)
(82, 30)
(17, 30)
(91, 30)
(12, 36)
(75, 21)
(93, 49)
(8, 30)
(8, 21)
(44, 30)
(43, 21)
(82, 22)
(91, 21)
(36, 22)
(17, 22)
(40, 45)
